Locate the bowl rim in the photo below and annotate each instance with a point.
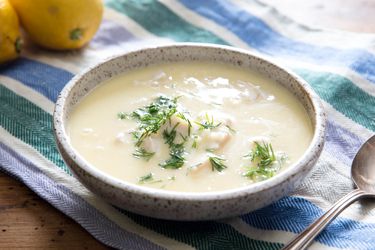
(311, 153)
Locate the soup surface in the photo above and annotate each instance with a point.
(190, 127)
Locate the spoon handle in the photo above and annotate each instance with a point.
(304, 239)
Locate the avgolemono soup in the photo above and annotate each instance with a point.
(190, 127)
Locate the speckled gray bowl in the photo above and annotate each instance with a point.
(178, 205)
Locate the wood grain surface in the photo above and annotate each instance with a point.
(27, 221)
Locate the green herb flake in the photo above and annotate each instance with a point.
(264, 158)
(169, 136)
(177, 159)
(151, 117)
(176, 150)
(195, 143)
(183, 117)
(217, 163)
(146, 178)
(142, 153)
(231, 129)
(208, 123)
(122, 115)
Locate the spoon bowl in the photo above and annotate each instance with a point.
(363, 167)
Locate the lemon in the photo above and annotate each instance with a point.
(10, 39)
(60, 24)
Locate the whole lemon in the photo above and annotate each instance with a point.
(10, 39)
(60, 24)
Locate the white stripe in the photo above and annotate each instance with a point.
(198, 20)
(28, 93)
(316, 36)
(274, 236)
(347, 123)
(59, 176)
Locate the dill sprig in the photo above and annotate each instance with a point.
(183, 117)
(176, 150)
(208, 123)
(217, 163)
(264, 157)
(169, 136)
(145, 178)
(142, 153)
(152, 117)
(177, 159)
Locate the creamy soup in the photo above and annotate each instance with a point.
(190, 127)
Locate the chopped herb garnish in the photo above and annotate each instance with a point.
(184, 138)
(195, 143)
(257, 173)
(142, 153)
(183, 117)
(135, 135)
(149, 178)
(153, 116)
(122, 115)
(264, 157)
(211, 150)
(169, 136)
(176, 151)
(231, 129)
(264, 153)
(217, 163)
(208, 123)
(146, 178)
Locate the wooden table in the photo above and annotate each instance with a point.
(27, 221)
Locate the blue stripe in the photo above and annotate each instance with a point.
(341, 143)
(69, 203)
(111, 33)
(262, 37)
(44, 78)
(294, 214)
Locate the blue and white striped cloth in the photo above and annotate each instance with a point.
(340, 66)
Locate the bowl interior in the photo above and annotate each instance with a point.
(82, 84)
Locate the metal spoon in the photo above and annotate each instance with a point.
(363, 176)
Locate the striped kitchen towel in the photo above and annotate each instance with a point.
(340, 67)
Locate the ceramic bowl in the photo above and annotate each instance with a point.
(180, 205)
